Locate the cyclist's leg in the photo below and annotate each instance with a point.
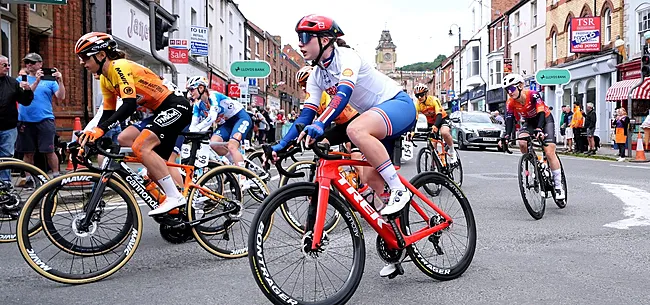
(128, 135)
(525, 130)
(173, 171)
(553, 161)
(386, 121)
(223, 132)
(240, 129)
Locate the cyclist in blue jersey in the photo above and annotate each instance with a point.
(386, 111)
(232, 120)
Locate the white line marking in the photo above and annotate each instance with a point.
(637, 205)
(631, 166)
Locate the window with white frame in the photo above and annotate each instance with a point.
(6, 38)
(499, 71)
(257, 46)
(607, 20)
(643, 15)
(554, 45)
(533, 59)
(473, 62)
(222, 6)
(568, 39)
(230, 55)
(4, 6)
(193, 16)
(517, 67)
(516, 24)
(473, 20)
(533, 14)
(240, 32)
(32, 7)
(230, 21)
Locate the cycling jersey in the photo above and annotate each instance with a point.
(345, 116)
(226, 107)
(430, 108)
(203, 115)
(127, 79)
(529, 109)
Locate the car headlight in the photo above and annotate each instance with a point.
(468, 130)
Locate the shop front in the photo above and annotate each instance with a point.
(590, 79)
(496, 100)
(477, 98)
(464, 99)
(217, 83)
(617, 94)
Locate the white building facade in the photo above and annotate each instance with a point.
(527, 43)
(475, 57)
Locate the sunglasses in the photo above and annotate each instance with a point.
(305, 37)
(4, 65)
(419, 95)
(511, 89)
(29, 62)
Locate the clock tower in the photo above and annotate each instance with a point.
(385, 53)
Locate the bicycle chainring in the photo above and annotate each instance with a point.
(175, 236)
(387, 255)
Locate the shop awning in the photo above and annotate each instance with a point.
(619, 90)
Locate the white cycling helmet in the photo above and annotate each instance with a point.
(420, 88)
(512, 79)
(195, 81)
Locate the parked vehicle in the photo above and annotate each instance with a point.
(475, 128)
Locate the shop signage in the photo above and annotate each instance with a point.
(178, 51)
(477, 92)
(507, 66)
(217, 84)
(585, 34)
(553, 77)
(497, 95)
(199, 40)
(36, 1)
(130, 24)
(250, 68)
(233, 91)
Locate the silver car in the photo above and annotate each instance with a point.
(475, 128)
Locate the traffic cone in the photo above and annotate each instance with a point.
(75, 128)
(640, 153)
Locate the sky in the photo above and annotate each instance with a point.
(419, 28)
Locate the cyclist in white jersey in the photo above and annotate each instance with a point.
(386, 111)
(231, 117)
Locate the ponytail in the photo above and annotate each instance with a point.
(115, 54)
(341, 43)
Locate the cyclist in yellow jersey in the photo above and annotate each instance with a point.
(437, 118)
(136, 86)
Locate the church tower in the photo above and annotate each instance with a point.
(385, 57)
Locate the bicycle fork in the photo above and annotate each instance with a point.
(94, 201)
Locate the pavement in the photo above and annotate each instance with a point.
(595, 251)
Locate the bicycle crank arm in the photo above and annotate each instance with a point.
(202, 220)
(398, 234)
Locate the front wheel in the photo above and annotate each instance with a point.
(562, 202)
(531, 186)
(425, 161)
(288, 270)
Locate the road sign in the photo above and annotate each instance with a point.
(250, 68)
(199, 40)
(451, 93)
(253, 90)
(178, 52)
(553, 77)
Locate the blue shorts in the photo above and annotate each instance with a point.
(141, 124)
(399, 117)
(240, 123)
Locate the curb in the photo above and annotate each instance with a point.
(584, 156)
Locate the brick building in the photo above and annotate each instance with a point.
(592, 73)
(447, 80)
(51, 31)
(255, 51)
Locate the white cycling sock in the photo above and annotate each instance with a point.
(388, 172)
(557, 177)
(169, 187)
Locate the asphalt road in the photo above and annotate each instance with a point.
(595, 251)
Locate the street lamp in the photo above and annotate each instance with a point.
(460, 63)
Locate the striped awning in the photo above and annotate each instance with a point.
(619, 90)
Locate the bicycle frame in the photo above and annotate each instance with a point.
(433, 145)
(328, 175)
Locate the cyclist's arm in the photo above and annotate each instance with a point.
(541, 110)
(349, 74)
(111, 118)
(510, 119)
(306, 116)
(207, 122)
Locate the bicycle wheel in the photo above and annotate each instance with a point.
(79, 256)
(531, 186)
(285, 267)
(425, 161)
(446, 254)
(254, 162)
(562, 203)
(24, 178)
(225, 235)
(455, 170)
(296, 215)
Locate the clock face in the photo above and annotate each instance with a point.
(388, 56)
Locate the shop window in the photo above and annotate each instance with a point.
(32, 7)
(591, 93)
(643, 25)
(6, 38)
(4, 6)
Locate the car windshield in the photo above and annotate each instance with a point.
(478, 118)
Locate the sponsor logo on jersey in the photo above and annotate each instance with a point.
(331, 90)
(347, 72)
(307, 95)
(167, 117)
(121, 75)
(128, 90)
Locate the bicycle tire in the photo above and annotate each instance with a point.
(531, 159)
(451, 167)
(258, 195)
(436, 166)
(263, 272)
(45, 268)
(291, 219)
(424, 153)
(15, 164)
(562, 203)
(204, 235)
(427, 267)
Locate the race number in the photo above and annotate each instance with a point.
(407, 151)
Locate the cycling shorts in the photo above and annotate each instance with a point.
(139, 125)
(173, 114)
(338, 134)
(399, 117)
(445, 122)
(530, 125)
(237, 127)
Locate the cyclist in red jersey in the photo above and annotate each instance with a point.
(538, 121)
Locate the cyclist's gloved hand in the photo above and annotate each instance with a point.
(279, 146)
(539, 134)
(315, 130)
(91, 135)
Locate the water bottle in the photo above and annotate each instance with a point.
(151, 186)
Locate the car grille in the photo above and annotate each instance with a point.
(489, 133)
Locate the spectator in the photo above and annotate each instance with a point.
(565, 118)
(621, 125)
(36, 127)
(590, 125)
(11, 91)
(646, 130)
(569, 130)
(263, 127)
(577, 122)
(270, 130)
(497, 116)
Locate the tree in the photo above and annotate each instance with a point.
(423, 66)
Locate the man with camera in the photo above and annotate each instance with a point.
(36, 127)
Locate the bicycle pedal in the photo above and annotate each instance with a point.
(399, 270)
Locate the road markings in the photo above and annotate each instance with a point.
(637, 205)
(631, 166)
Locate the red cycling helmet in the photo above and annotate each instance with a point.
(319, 25)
